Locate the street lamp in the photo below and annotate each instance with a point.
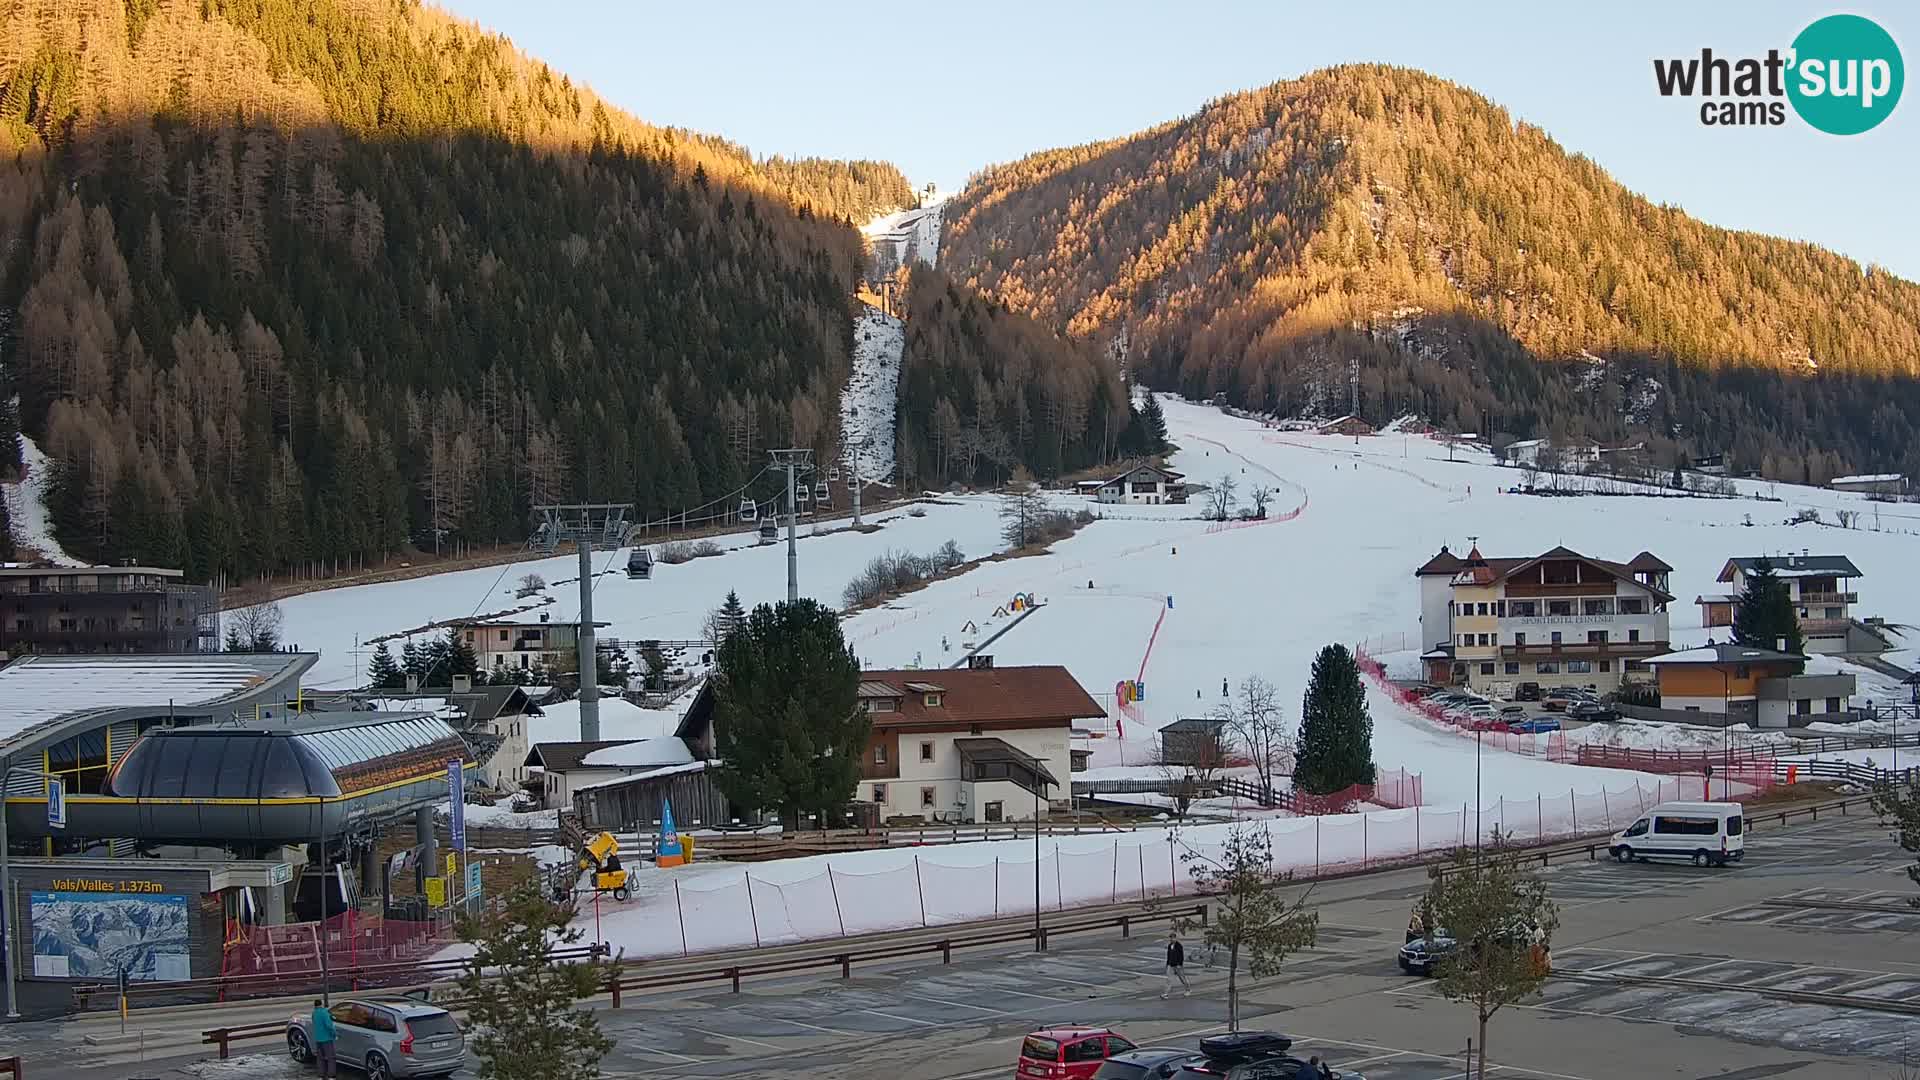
(1039, 786)
(1478, 735)
(6, 877)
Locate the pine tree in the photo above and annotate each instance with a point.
(731, 616)
(382, 672)
(1154, 423)
(413, 661)
(522, 1006)
(788, 726)
(456, 658)
(1336, 732)
(1763, 617)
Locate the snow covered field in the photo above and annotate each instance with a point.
(867, 405)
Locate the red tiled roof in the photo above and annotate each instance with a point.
(988, 695)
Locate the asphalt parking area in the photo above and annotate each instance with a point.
(1734, 1010)
(1829, 910)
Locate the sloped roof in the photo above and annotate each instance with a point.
(1794, 566)
(1168, 474)
(1724, 653)
(1042, 694)
(640, 754)
(1477, 571)
(977, 750)
(1446, 562)
(562, 756)
(37, 691)
(1647, 560)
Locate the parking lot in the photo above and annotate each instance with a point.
(1346, 999)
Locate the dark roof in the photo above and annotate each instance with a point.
(1647, 560)
(1838, 565)
(1725, 653)
(1196, 725)
(1488, 571)
(562, 756)
(1444, 563)
(978, 750)
(479, 703)
(1168, 473)
(1045, 694)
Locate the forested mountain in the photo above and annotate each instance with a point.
(311, 280)
(1261, 245)
(983, 389)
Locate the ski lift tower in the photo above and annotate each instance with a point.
(797, 463)
(586, 524)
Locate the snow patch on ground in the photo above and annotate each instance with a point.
(27, 508)
(873, 390)
(907, 235)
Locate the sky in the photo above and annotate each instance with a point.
(943, 90)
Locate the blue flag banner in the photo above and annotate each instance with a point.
(456, 791)
(669, 834)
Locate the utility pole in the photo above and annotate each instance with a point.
(580, 522)
(797, 462)
(853, 471)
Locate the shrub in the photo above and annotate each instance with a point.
(896, 571)
(675, 552)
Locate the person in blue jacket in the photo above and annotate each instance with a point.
(323, 1037)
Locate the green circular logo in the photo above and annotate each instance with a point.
(1846, 75)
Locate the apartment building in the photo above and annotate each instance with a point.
(1558, 618)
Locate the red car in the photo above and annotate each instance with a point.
(1067, 1053)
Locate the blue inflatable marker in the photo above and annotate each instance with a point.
(669, 835)
(1169, 601)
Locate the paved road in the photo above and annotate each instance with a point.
(1738, 927)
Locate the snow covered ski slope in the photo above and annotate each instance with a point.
(27, 508)
(867, 405)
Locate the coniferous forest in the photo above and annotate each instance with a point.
(1482, 276)
(312, 280)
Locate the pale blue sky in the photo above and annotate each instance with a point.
(941, 90)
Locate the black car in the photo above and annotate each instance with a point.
(1592, 711)
(1240, 1055)
(1146, 1063)
(1418, 956)
(1527, 691)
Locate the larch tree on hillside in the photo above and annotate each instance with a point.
(789, 729)
(1335, 747)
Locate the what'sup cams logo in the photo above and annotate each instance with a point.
(1842, 75)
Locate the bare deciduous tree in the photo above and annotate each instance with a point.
(1259, 726)
(1261, 495)
(254, 629)
(1221, 499)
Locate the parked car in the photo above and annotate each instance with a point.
(1146, 1063)
(1592, 711)
(1511, 713)
(1240, 1055)
(387, 1038)
(1068, 1053)
(1527, 691)
(1534, 725)
(1562, 699)
(1420, 955)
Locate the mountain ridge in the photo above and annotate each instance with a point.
(1249, 248)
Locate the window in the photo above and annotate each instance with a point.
(1483, 609)
(1466, 609)
(879, 753)
(1546, 667)
(1596, 607)
(880, 704)
(1803, 707)
(1519, 639)
(1687, 826)
(880, 793)
(1606, 665)
(1556, 637)
(926, 796)
(1512, 668)
(469, 637)
(1525, 609)
(1485, 640)
(933, 701)
(503, 634)
(1087, 1050)
(1633, 635)
(1579, 667)
(1559, 607)
(1117, 1045)
(1639, 828)
(382, 1020)
(1466, 639)
(1633, 605)
(1734, 825)
(1833, 704)
(926, 751)
(1833, 613)
(994, 811)
(1500, 608)
(1486, 669)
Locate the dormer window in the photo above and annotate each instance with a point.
(932, 701)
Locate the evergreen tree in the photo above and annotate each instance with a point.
(413, 661)
(1154, 423)
(1335, 747)
(789, 729)
(460, 658)
(731, 614)
(524, 1017)
(233, 642)
(382, 672)
(1763, 617)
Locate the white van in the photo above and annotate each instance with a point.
(1709, 834)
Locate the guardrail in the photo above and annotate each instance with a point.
(88, 996)
(1846, 771)
(1592, 847)
(846, 959)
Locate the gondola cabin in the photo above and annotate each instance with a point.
(769, 531)
(640, 563)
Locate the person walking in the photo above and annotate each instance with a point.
(323, 1038)
(1176, 966)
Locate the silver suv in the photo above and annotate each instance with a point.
(385, 1037)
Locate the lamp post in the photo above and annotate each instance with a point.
(1478, 736)
(1726, 735)
(1039, 786)
(6, 879)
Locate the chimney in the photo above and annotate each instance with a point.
(1779, 644)
(413, 684)
(463, 684)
